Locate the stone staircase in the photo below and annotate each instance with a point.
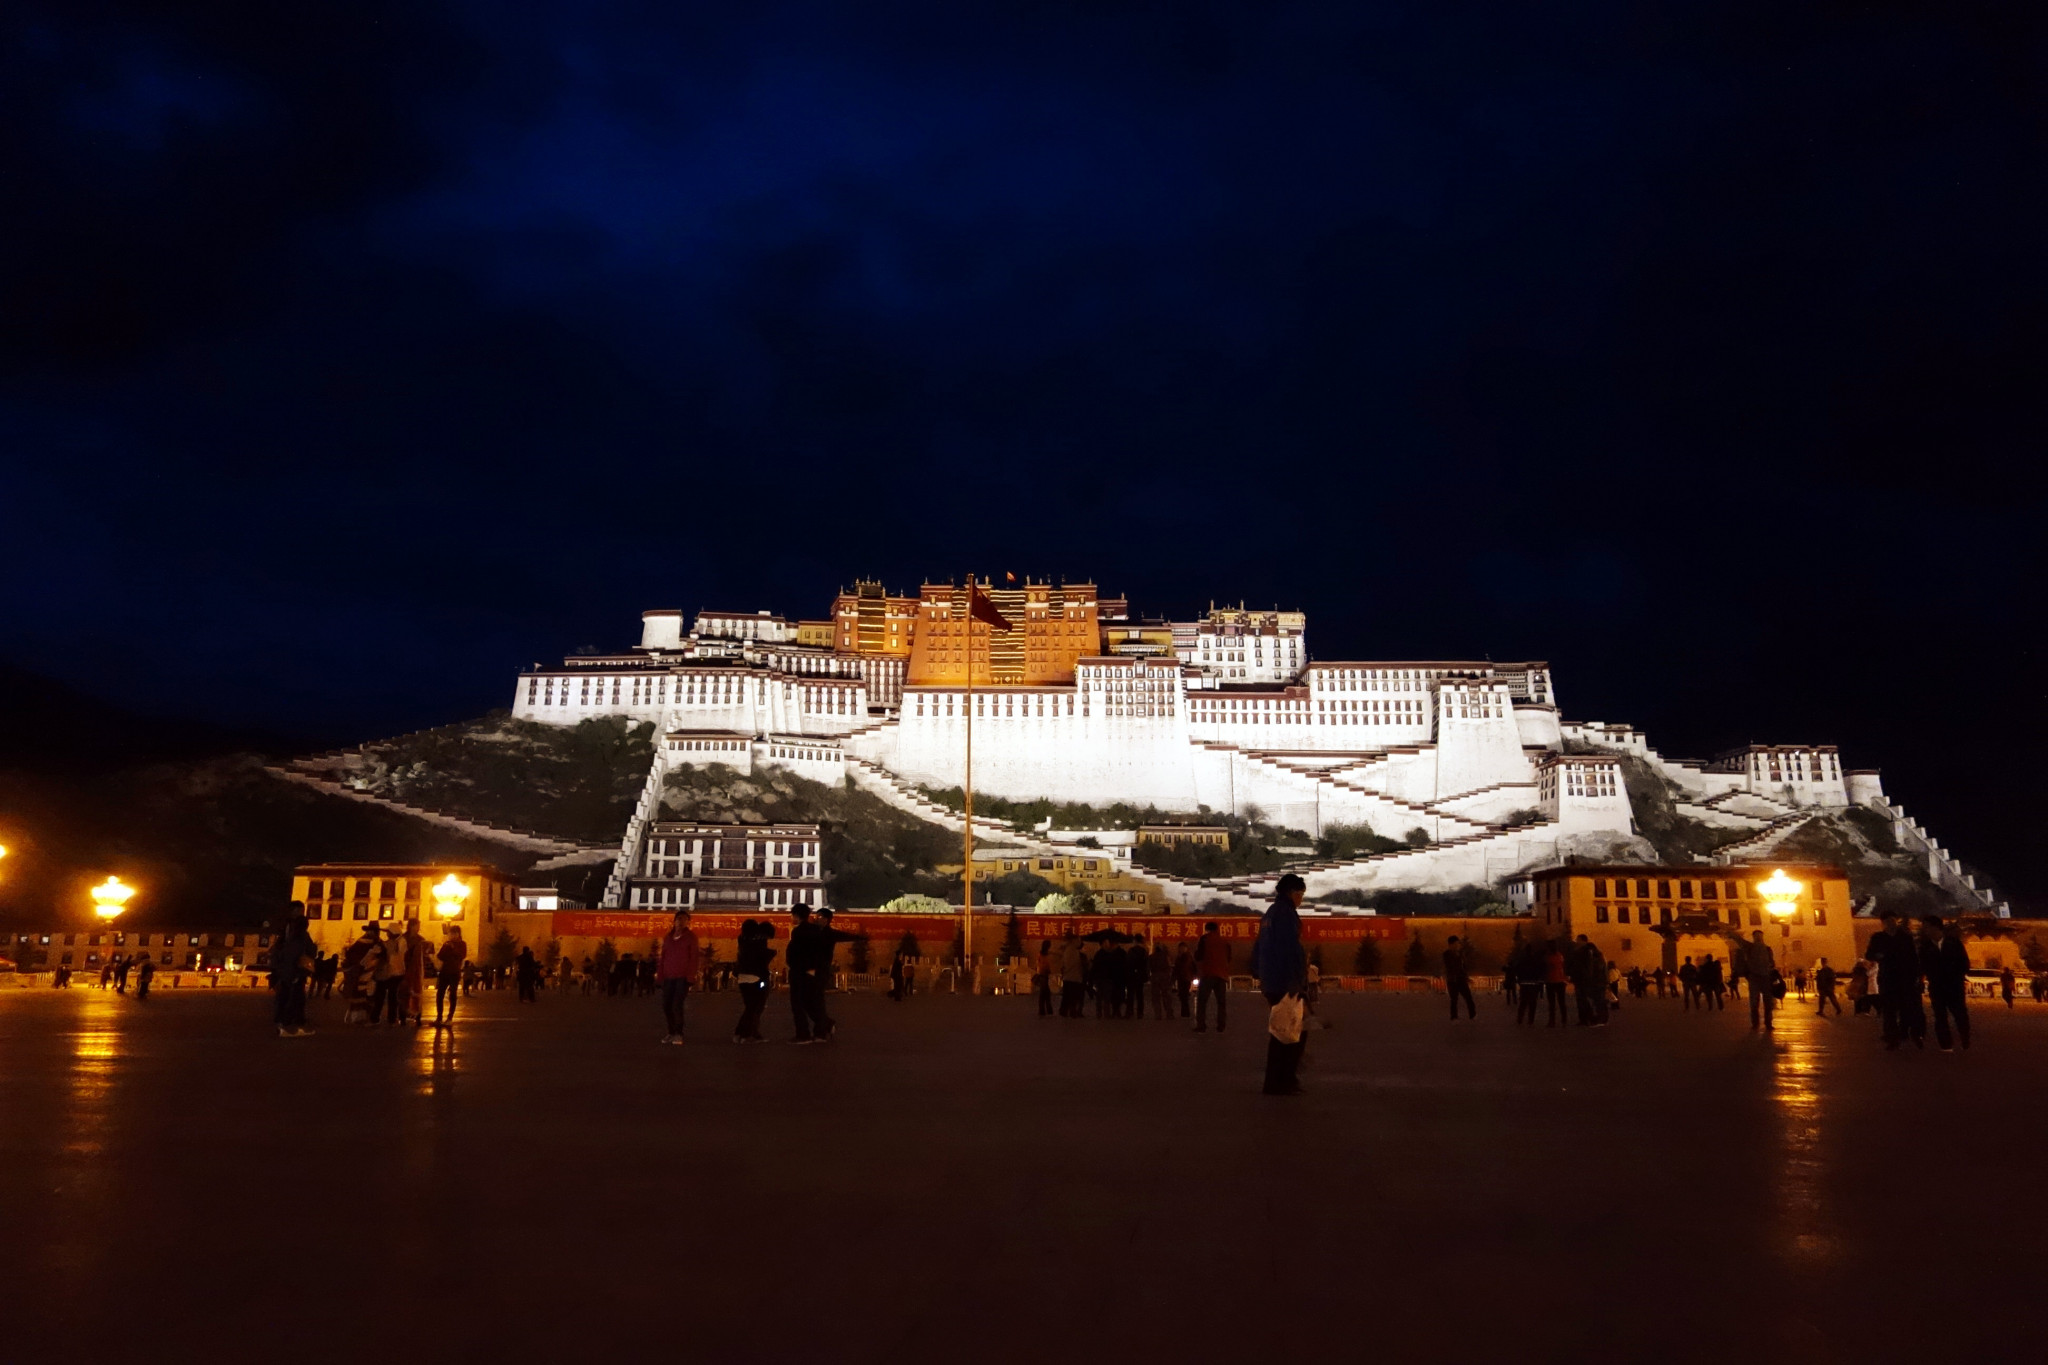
(1346, 778)
(564, 850)
(893, 791)
(1943, 867)
(1760, 844)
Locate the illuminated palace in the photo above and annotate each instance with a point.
(1078, 699)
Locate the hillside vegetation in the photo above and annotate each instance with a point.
(571, 781)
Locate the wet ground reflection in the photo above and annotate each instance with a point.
(1798, 1055)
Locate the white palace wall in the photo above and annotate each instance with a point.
(1031, 743)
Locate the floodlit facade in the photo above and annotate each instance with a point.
(1081, 700)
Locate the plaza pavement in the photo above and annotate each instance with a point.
(956, 1179)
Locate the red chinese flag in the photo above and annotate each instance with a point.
(981, 609)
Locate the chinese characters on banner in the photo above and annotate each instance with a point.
(989, 930)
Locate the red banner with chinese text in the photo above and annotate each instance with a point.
(988, 929)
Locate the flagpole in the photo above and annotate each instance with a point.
(967, 789)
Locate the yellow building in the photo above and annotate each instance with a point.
(1658, 916)
(341, 898)
(1051, 631)
(872, 620)
(1114, 890)
(817, 634)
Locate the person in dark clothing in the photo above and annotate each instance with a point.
(1161, 969)
(144, 971)
(1108, 973)
(1281, 965)
(1824, 988)
(526, 970)
(801, 959)
(1458, 980)
(1898, 983)
(1041, 979)
(1688, 983)
(1184, 976)
(752, 960)
(1589, 983)
(1713, 990)
(1946, 965)
(290, 961)
(1137, 967)
(1528, 982)
(2007, 980)
(1212, 976)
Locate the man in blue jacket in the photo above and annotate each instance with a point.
(1282, 968)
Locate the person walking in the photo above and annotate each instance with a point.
(1946, 965)
(2006, 982)
(1589, 983)
(1688, 984)
(1073, 977)
(1184, 976)
(1760, 965)
(526, 972)
(359, 976)
(1137, 968)
(1799, 983)
(1212, 975)
(449, 961)
(1458, 979)
(389, 999)
(1824, 988)
(1041, 977)
(1528, 982)
(1554, 979)
(290, 961)
(1162, 982)
(145, 972)
(414, 950)
(752, 962)
(1713, 990)
(1281, 966)
(1898, 983)
(681, 959)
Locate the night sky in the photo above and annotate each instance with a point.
(353, 356)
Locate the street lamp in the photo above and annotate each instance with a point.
(1781, 895)
(449, 894)
(110, 898)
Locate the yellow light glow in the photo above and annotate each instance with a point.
(1780, 894)
(110, 898)
(449, 894)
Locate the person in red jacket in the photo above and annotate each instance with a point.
(679, 963)
(1212, 970)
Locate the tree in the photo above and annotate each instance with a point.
(1081, 900)
(1417, 960)
(1417, 837)
(1055, 904)
(606, 957)
(1366, 961)
(2034, 955)
(504, 948)
(552, 954)
(915, 904)
(1088, 841)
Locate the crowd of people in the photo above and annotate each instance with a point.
(384, 975)
(1898, 971)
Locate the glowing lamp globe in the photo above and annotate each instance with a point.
(449, 894)
(110, 898)
(1781, 894)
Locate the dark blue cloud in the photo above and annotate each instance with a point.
(1660, 342)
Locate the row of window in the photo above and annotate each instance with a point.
(1733, 914)
(120, 939)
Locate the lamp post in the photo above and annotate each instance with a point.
(449, 895)
(110, 898)
(1781, 895)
